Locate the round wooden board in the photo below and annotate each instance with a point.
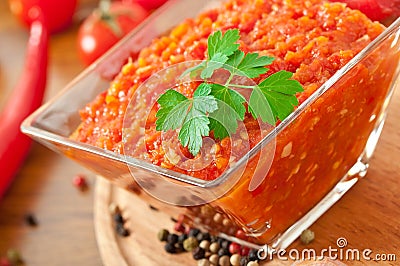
(142, 246)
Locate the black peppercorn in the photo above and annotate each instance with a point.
(193, 232)
(203, 236)
(170, 248)
(172, 238)
(118, 218)
(225, 244)
(198, 253)
(244, 260)
(223, 252)
(121, 230)
(31, 220)
(253, 254)
(182, 238)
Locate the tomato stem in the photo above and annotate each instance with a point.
(109, 18)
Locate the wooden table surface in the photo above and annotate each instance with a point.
(368, 216)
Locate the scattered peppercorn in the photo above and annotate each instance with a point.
(223, 252)
(234, 248)
(113, 208)
(31, 220)
(244, 251)
(214, 259)
(198, 253)
(5, 262)
(162, 235)
(170, 248)
(172, 238)
(244, 260)
(121, 230)
(118, 218)
(214, 247)
(203, 236)
(193, 232)
(182, 237)
(307, 236)
(252, 263)
(224, 243)
(224, 261)
(14, 257)
(190, 243)
(203, 262)
(205, 244)
(179, 227)
(253, 254)
(79, 181)
(153, 208)
(235, 259)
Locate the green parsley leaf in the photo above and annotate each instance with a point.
(224, 44)
(260, 107)
(250, 65)
(215, 63)
(223, 121)
(189, 114)
(230, 97)
(218, 107)
(171, 102)
(279, 91)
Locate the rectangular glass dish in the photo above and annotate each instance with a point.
(279, 187)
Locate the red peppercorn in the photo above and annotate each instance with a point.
(241, 234)
(245, 251)
(4, 262)
(179, 227)
(234, 248)
(79, 181)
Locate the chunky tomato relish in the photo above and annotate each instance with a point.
(313, 39)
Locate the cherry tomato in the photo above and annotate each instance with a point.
(375, 9)
(106, 26)
(147, 4)
(58, 14)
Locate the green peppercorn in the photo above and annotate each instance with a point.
(14, 257)
(162, 235)
(190, 243)
(307, 236)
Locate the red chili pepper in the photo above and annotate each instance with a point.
(26, 97)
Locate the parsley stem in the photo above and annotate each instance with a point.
(241, 86)
(229, 80)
